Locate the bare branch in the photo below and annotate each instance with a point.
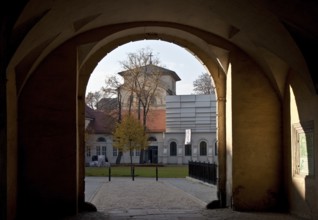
(203, 85)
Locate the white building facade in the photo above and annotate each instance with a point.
(191, 117)
(190, 129)
(181, 128)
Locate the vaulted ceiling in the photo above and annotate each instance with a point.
(278, 35)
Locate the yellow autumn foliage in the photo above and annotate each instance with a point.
(129, 134)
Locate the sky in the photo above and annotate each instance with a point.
(171, 56)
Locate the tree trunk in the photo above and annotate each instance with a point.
(139, 109)
(119, 105)
(131, 167)
(131, 98)
(118, 159)
(141, 157)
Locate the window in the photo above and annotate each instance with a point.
(104, 150)
(115, 152)
(88, 151)
(216, 148)
(173, 148)
(187, 150)
(137, 152)
(203, 148)
(303, 149)
(101, 139)
(97, 150)
(132, 153)
(152, 139)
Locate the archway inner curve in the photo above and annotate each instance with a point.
(214, 58)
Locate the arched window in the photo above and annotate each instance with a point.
(152, 139)
(173, 148)
(203, 149)
(101, 139)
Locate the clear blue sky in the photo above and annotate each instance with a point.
(171, 56)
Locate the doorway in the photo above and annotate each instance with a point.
(152, 154)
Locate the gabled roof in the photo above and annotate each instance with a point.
(101, 123)
(150, 68)
(89, 113)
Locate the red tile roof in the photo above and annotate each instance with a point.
(103, 123)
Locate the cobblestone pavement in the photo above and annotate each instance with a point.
(171, 199)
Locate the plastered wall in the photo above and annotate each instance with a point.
(300, 107)
(47, 137)
(255, 138)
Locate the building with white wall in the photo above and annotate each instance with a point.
(167, 122)
(195, 114)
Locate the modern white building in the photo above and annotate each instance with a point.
(190, 129)
(180, 128)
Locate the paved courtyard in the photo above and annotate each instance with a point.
(123, 194)
(146, 198)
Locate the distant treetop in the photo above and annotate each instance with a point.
(203, 84)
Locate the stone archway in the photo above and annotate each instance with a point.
(73, 62)
(229, 191)
(166, 32)
(49, 52)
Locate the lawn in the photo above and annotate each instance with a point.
(140, 171)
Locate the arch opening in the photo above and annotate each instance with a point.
(89, 53)
(41, 90)
(179, 148)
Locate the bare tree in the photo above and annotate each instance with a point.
(112, 100)
(203, 84)
(142, 81)
(112, 103)
(93, 98)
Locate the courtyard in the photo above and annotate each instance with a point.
(167, 198)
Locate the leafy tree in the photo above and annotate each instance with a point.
(128, 135)
(203, 84)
